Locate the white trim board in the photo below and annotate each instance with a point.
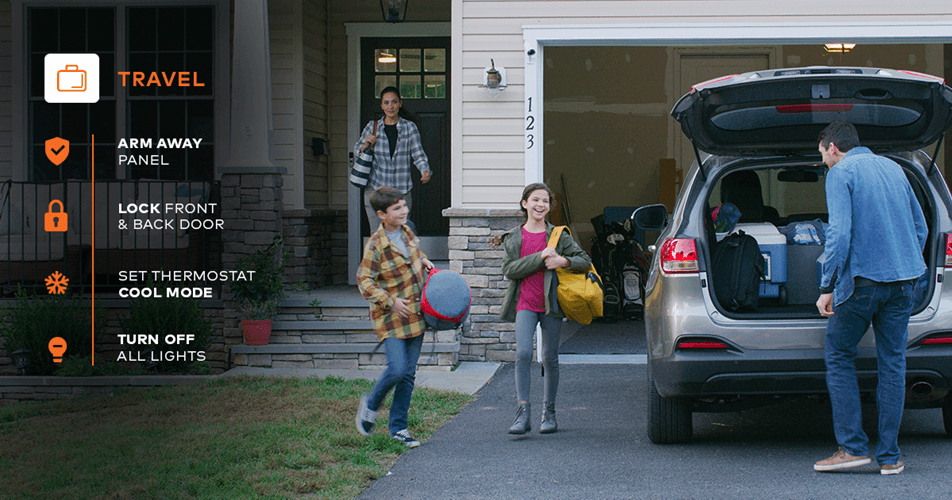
(686, 35)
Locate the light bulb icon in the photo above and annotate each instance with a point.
(57, 348)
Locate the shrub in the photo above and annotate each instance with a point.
(258, 297)
(160, 317)
(33, 320)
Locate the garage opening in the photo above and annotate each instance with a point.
(610, 144)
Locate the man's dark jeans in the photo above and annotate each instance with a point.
(886, 306)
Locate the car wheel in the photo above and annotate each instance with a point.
(947, 415)
(669, 419)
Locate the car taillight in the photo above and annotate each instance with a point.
(691, 344)
(948, 250)
(699, 86)
(941, 339)
(923, 75)
(679, 255)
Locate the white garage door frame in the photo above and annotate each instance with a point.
(536, 38)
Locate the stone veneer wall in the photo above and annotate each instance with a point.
(252, 206)
(484, 337)
(318, 243)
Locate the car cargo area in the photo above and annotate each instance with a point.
(784, 209)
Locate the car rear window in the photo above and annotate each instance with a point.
(788, 194)
(736, 118)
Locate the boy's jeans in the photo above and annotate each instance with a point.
(402, 357)
(887, 307)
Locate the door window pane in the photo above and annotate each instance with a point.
(409, 60)
(385, 60)
(434, 60)
(435, 86)
(410, 87)
(383, 81)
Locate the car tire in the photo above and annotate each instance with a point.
(669, 419)
(947, 415)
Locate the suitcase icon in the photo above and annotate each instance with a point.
(71, 79)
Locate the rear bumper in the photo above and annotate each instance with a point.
(788, 371)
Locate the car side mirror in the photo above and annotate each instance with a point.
(650, 217)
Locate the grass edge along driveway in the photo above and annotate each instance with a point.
(228, 437)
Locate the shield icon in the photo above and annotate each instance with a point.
(57, 149)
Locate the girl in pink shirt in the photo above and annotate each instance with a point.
(529, 263)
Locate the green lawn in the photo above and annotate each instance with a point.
(234, 437)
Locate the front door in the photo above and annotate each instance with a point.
(420, 68)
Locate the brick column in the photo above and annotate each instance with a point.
(484, 338)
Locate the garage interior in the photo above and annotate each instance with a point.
(608, 137)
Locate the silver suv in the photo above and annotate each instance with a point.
(759, 132)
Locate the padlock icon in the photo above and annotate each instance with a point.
(55, 222)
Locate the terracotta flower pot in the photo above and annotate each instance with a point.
(256, 331)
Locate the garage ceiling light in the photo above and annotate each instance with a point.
(839, 48)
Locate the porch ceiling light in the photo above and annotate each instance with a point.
(394, 11)
(838, 48)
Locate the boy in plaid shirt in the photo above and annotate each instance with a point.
(391, 277)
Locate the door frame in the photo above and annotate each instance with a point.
(355, 32)
(690, 35)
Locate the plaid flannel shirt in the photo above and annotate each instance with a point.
(384, 274)
(394, 171)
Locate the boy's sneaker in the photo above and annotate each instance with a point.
(404, 437)
(840, 460)
(365, 417)
(895, 468)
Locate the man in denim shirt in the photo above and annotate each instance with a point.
(873, 257)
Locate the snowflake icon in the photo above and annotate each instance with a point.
(56, 283)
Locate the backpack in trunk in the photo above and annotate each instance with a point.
(738, 270)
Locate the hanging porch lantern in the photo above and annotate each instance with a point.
(394, 11)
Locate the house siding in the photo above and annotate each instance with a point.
(285, 19)
(315, 111)
(488, 136)
(6, 91)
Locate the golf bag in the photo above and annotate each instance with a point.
(617, 256)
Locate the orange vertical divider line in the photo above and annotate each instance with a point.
(92, 252)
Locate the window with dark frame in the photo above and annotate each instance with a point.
(185, 42)
(72, 30)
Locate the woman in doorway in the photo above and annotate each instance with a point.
(394, 150)
(531, 300)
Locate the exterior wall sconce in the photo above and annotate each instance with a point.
(494, 79)
(394, 11)
(318, 146)
(21, 359)
(838, 48)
